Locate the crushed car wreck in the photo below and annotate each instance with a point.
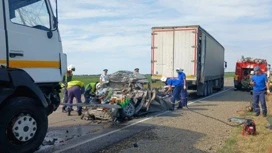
(125, 95)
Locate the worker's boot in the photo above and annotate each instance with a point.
(180, 104)
(69, 112)
(64, 110)
(173, 107)
(79, 113)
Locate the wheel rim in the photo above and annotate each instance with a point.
(129, 110)
(24, 127)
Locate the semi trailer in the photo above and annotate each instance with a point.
(194, 50)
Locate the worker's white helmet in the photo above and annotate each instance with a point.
(179, 69)
(163, 79)
(98, 85)
(71, 68)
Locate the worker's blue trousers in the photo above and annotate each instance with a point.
(74, 92)
(176, 94)
(183, 101)
(259, 96)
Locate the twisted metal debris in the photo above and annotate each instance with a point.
(133, 93)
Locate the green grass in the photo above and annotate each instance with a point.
(86, 78)
(229, 74)
(230, 146)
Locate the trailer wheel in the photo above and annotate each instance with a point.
(210, 87)
(222, 84)
(205, 89)
(23, 125)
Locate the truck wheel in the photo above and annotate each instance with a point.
(211, 87)
(208, 88)
(205, 89)
(23, 125)
(222, 84)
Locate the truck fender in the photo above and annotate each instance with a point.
(19, 78)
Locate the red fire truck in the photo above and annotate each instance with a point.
(244, 71)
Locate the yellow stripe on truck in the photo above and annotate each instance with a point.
(32, 64)
(2, 61)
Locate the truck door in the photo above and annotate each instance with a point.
(185, 51)
(162, 53)
(30, 45)
(3, 52)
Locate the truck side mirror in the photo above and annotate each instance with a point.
(226, 64)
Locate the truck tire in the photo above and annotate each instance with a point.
(23, 125)
(210, 87)
(206, 89)
(222, 84)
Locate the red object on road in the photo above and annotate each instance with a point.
(249, 127)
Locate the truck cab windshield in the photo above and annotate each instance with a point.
(32, 13)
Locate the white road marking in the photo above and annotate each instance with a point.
(132, 124)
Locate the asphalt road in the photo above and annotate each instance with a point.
(201, 128)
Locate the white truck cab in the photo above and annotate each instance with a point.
(32, 64)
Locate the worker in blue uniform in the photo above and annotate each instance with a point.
(183, 93)
(260, 84)
(178, 85)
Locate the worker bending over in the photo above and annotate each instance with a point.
(90, 91)
(175, 93)
(75, 89)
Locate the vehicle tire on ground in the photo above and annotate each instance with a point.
(128, 111)
(23, 125)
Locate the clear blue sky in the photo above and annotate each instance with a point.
(115, 34)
